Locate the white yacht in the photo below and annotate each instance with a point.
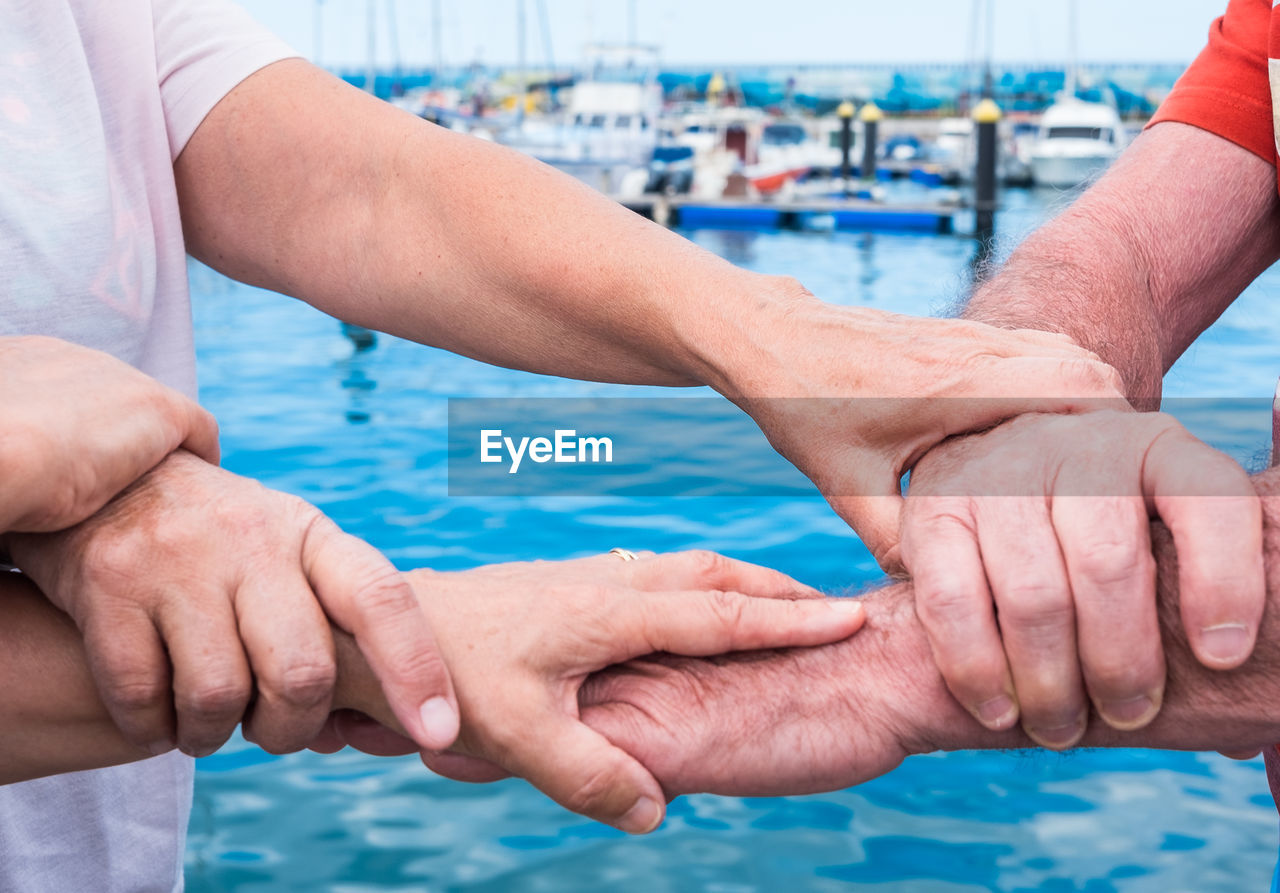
(1076, 143)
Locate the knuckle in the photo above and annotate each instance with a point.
(306, 683)
(1120, 674)
(384, 593)
(1092, 378)
(422, 666)
(1108, 562)
(944, 603)
(109, 558)
(1036, 604)
(727, 608)
(976, 673)
(706, 565)
(593, 794)
(214, 699)
(134, 695)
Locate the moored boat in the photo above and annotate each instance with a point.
(1078, 140)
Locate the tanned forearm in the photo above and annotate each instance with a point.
(53, 718)
(390, 222)
(829, 717)
(1148, 257)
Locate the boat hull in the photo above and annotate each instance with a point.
(771, 182)
(1068, 171)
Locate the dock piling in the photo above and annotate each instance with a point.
(987, 118)
(845, 113)
(870, 116)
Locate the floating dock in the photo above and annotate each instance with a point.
(800, 214)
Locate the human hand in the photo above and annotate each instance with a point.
(777, 723)
(1043, 522)
(197, 589)
(854, 396)
(80, 426)
(520, 639)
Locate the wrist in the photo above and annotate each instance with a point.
(735, 346)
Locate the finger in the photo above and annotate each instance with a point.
(211, 680)
(291, 653)
(701, 569)
(370, 736)
(702, 623)
(202, 433)
(1107, 549)
(460, 767)
(328, 740)
(1072, 384)
(953, 602)
(875, 517)
(365, 595)
(1037, 617)
(131, 669)
(579, 769)
(1215, 516)
(1241, 754)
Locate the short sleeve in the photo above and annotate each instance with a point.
(204, 48)
(1226, 91)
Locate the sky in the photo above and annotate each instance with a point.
(744, 31)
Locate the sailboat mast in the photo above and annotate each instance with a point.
(371, 71)
(437, 25)
(522, 74)
(1073, 50)
(988, 78)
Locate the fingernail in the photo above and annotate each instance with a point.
(1127, 714)
(1227, 643)
(997, 713)
(1058, 737)
(642, 818)
(439, 723)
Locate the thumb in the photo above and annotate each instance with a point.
(874, 511)
(202, 432)
(578, 768)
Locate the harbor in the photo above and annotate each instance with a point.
(788, 142)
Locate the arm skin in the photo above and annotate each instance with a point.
(1135, 270)
(379, 218)
(1148, 257)
(765, 723)
(825, 718)
(53, 717)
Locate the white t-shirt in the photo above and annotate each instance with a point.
(96, 101)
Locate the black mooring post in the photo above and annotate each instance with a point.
(845, 114)
(870, 116)
(986, 117)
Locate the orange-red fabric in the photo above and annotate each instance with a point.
(1226, 90)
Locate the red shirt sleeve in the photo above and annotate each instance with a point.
(1226, 90)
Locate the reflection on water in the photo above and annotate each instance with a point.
(285, 382)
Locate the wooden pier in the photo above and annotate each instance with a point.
(800, 214)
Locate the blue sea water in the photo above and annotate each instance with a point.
(362, 435)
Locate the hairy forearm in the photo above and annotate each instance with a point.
(1148, 257)
(393, 223)
(1073, 276)
(825, 718)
